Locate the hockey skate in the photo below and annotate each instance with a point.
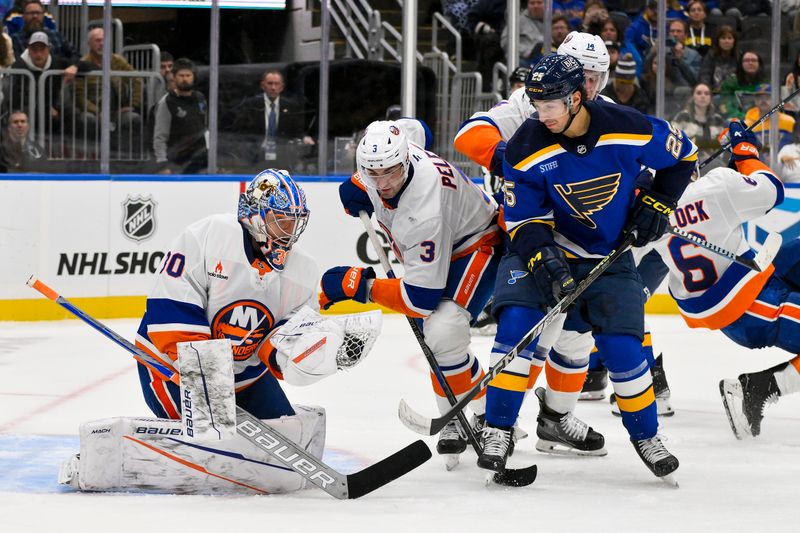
(485, 325)
(565, 434)
(453, 440)
(594, 387)
(497, 446)
(657, 458)
(746, 399)
(660, 389)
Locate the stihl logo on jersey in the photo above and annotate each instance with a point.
(245, 323)
(590, 196)
(281, 451)
(138, 217)
(218, 272)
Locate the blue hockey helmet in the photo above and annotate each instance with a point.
(554, 77)
(273, 208)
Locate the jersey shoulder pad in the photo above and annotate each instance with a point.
(614, 118)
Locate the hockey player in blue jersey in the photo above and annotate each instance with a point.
(570, 200)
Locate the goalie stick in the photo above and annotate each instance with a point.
(762, 260)
(338, 485)
(512, 477)
(431, 426)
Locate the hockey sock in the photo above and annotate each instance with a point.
(460, 377)
(565, 379)
(595, 360)
(538, 363)
(630, 376)
(506, 391)
(788, 377)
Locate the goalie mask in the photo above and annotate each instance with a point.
(382, 158)
(275, 213)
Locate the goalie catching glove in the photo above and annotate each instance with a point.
(309, 347)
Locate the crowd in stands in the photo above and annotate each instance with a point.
(161, 127)
(714, 62)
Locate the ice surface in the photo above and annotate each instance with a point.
(53, 375)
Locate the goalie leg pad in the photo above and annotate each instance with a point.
(208, 400)
(153, 455)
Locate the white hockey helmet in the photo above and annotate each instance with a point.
(384, 146)
(591, 51)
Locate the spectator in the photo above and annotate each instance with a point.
(126, 97)
(37, 59)
(763, 103)
(594, 17)
(789, 158)
(559, 31)
(270, 122)
(610, 32)
(623, 89)
(33, 16)
(456, 11)
(699, 33)
(15, 19)
(168, 80)
(531, 31)
(613, 56)
(486, 19)
(792, 80)
(749, 74)
(720, 62)
(642, 32)
(676, 88)
(685, 60)
(18, 153)
(675, 10)
(572, 10)
(745, 8)
(6, 50)
(179, 137)
(700, 121)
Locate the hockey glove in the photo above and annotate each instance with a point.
(345, 283)
(354, 198)
(649, 217)
(551, 273)
(744, 143)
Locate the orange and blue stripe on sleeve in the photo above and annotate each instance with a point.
(410, 300)
(477, 138)
(168, 322)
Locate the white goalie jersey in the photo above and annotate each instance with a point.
(212, 285)
(711, 290)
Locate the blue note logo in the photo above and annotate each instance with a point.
(516, 275)
(589, 196)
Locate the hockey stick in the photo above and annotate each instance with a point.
(338, 485)
(510, 476)
(762, 260)
(428, 426)
(758, 122)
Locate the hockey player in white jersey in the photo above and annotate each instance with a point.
(242, 279)
(754, 309)
(444, 229)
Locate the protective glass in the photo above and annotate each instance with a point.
(595, 82)
(384, 178)
(550, 109)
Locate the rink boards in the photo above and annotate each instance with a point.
(99, 240)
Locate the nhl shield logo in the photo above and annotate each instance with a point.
(138, 217)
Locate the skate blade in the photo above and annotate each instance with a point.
(488, 479)
(557, 448)
(451, 460)
(731, 391)
(670, 480)
(592, 396)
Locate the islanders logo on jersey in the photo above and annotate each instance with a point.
(590, 196)
(245, 323)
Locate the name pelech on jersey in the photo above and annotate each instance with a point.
(584, 187)
(212, 285)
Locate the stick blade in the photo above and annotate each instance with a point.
(414, 421)
(770, 249)
(383, 472)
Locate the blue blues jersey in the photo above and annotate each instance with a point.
(582, 188)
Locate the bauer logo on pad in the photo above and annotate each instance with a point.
(138, 217)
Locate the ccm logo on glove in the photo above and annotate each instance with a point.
(657, 205)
